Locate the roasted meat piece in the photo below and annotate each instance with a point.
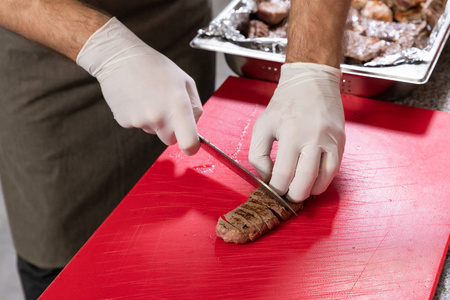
(229, 233)
(412, 14)
(389, 31)
(253, 218)
(243, 224)
(404, 42)
(261, 198)
(358, 4)
(377, 10)
(389, 3)
(363, 48)
(257, 29)
(367, 38)
(432, 10)
(354, 21)
(373, 29)
(279, 31)
(272, 12)
(405, 4)
(265, 214)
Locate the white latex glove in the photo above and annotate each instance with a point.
(143, 88)
(306, 116)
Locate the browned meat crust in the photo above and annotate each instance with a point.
(359, 4)
(432, 10)
(407, 39)
(412, 14)
(265, 214)
(384, 27)
(272, 12)
(405, 4)
(377, 10)
(252, 219)
(367, 39)
(389, 31)
(257, 29)
(244, 225)
(259, 197)
(229, 233)
(279, 31)
(363, 48)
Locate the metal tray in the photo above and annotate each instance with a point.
(386, 83)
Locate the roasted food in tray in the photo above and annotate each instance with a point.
(380, 28)
(374, 28)
(253, 218)
(270, 19)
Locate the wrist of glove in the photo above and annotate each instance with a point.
(142, 87)
(306, 116)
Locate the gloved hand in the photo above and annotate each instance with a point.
(143, 88)
(306, 116)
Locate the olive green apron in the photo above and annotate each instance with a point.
(64, 161)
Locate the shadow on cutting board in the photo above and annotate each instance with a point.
(166, 195)
(387, 115)
(293, 237)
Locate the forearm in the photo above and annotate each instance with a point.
(316, 31)
(62, 25)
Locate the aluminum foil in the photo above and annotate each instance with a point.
(227, 28)
(412, 55)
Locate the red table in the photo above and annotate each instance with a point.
(380, 231)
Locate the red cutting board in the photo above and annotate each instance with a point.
(380, 231)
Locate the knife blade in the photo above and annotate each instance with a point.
(243, 172)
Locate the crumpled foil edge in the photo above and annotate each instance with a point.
(226, 28)
(412, 55)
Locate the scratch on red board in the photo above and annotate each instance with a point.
(251, 117)
(368, 262)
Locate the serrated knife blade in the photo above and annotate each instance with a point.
(241, 171)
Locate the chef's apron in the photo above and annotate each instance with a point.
(64, 161)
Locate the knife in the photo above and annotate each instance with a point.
(243, 172)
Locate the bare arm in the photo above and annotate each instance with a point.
(62, 25)
(316, 30)
(127, 69)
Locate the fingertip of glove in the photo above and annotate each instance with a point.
(317, 190)
(263, 166)
(191, 149)
(297, 198)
